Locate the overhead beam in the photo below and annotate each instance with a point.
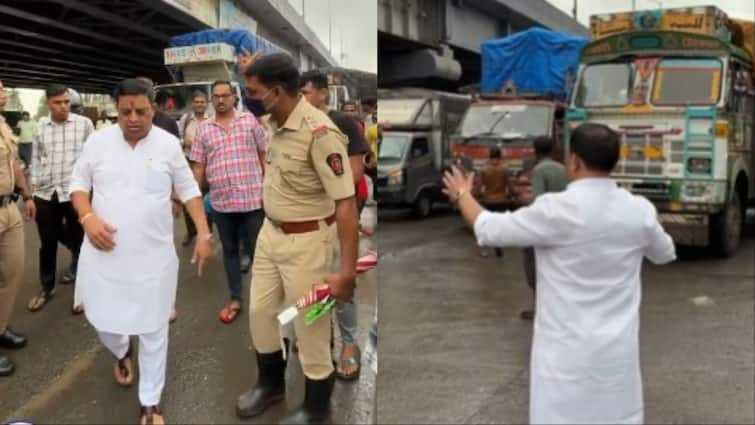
(52, 23)
(68, 55)
(65, 71)
(42, 84)
(112, 18)
(75, 45)
(72, 64)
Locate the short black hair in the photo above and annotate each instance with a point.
(495, 152)
(543, 145)
(133, 87)
(198, 93)
(222, 83)
(55, 90)
(276, 69)
(317, 78)
(349, 103)
(597, 145)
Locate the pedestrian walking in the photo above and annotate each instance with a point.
(128, 268)
(57, 145)
(548, 176)
(12, 248)
(494, 189)
(187, 126)
(589, 241)
(314, 87)
(229, 153)
(27, 128)
(308, 187)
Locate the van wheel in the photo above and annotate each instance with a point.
(726, 228)
(423, 205)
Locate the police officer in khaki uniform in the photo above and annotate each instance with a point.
(308, 187)
(11, 235)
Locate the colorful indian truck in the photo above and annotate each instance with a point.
(677, 84)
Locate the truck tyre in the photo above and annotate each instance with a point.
(726, 228)
(423, 205)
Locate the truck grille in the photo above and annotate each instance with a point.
(637, 163)
(654, 191)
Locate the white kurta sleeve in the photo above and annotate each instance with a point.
(184, 184)
(550, 220)
(82, 175)
(660, 247)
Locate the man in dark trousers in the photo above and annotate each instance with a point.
(547, 176)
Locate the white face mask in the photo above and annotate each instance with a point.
(268, 107)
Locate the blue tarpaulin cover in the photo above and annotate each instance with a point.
(537, 61)
(235, 37)
(238, 38)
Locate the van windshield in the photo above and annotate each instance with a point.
(392, 147)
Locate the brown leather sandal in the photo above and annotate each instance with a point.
(151, 415)
(123, 369)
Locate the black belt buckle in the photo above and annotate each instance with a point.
(6, 200)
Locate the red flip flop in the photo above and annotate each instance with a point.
(228, 314)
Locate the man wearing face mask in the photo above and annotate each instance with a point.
(229, 153)
(308, 188)
(589, 241)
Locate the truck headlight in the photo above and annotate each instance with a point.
(695, 190)
(395, 177)
(698, 165)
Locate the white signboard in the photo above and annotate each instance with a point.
(213, 52)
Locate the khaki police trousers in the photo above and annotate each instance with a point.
(285, 268)
(11, 260)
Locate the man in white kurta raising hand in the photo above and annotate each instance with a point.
(128, 268)
(590, 241)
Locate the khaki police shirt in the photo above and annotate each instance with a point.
(307, 167)
(8, 152)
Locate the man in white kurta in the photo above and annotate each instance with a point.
(590, 242)
(128, 285)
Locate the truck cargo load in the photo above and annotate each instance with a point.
(748, 35)
(239, 39)
(535, 61)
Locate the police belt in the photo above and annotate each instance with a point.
(301, 226)
(6, 200)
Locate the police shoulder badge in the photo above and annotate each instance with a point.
(335, 162)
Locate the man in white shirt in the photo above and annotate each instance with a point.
(590, 241)
(128, 268)
(56, 145)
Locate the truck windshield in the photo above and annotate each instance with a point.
(507, 120)
(687, 82)
(392, 147)
(176, 100)
(606, 84)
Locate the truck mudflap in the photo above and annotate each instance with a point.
(686, 229)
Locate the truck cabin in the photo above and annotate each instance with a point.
(511, 124)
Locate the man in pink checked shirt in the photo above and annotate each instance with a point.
(229, 152)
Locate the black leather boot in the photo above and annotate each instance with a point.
(316, 407)
(270, 387)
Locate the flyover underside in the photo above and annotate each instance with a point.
(86, 44)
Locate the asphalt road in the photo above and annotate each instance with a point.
(454, 350)
(64, 375)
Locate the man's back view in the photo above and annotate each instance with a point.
(590, 241)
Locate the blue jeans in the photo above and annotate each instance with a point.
(237, 229)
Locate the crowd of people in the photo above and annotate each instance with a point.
(288, 191)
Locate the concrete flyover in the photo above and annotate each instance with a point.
(91, 44)
(436, 43)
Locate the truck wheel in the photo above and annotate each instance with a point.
(726, 228)
(423, 205)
